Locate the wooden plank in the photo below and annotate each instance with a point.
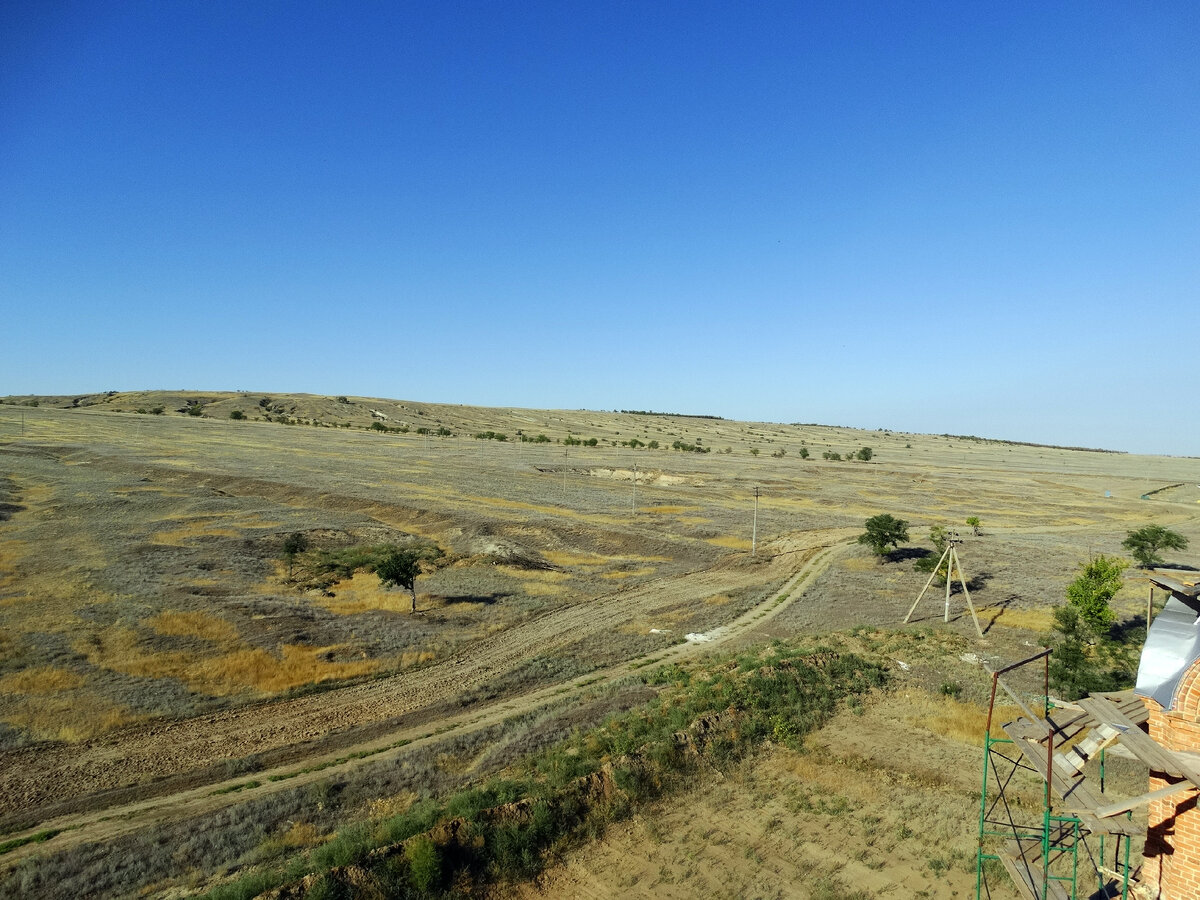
(1113, 809)
(1141, 744)
(1028, 877)
(1029, 713)
(1065, 781)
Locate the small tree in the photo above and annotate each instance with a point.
(400, 567)
(237, 414)
(973, 521)
(1145, 543)
(1090, 593)
(884, 530)
(754, 451)
(804, 453)
(1088, 656)
(293, 545)
(865, 454)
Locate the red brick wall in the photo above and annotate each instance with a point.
(1171, 859)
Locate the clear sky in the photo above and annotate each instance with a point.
(975, 218)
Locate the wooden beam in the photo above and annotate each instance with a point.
(1113, 809)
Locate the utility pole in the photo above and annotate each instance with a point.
(633, 503)
(754, 531)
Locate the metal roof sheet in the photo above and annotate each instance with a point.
(1172, 645)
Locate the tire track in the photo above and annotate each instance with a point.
(109, 822)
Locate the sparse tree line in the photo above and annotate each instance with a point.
(1093, 650)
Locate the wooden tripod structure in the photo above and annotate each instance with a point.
(950, 558)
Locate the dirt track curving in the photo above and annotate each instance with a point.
(89, 776)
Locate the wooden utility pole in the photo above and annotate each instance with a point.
(633, 502)
(950, 558)
(754, 530)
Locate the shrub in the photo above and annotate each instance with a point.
(1090, 593)
(195, 409)
(237, 414)
(883, 531)
(1145, 542)
(804, 453)
(865, 454)
(424, 864)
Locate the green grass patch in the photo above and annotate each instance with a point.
(708, 716)
(36, 838)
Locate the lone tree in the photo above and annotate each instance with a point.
(884, 530)
(293, 545)
(401, 567)
(1145, 543)
(865, 454)
(1087, 656)
(1098, 582)
(974, 522)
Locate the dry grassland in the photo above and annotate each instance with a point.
(145, 558)
(142, 581)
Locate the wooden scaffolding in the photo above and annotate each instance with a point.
(1086, 844)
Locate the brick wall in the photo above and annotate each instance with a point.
(1171, 859)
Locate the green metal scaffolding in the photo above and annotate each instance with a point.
(1048, 856)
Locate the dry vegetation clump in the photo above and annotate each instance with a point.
(198, 854)
(501, 829)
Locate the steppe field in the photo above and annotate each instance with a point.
(184, 710)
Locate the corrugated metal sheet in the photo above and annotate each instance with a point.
(1172, 645)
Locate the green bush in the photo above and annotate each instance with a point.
(237, 415)
(424, 864)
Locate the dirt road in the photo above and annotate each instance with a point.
(47, 786)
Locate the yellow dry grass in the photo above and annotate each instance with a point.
(410, 658)
(541, 589)
(362, 593)
(69, 718)
(669, 510)
(239, 670)
(256, 669)
(386, 807)
(1029, 619)
(193, 624)
(955, 719)
(631, 573)
(717, 600)
(859, 564)
(40, 680)
(565, 558)
(730, 542)
(544, 575)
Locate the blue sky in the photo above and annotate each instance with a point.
(959, 217)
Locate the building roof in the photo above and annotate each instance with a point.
(1172, 644)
